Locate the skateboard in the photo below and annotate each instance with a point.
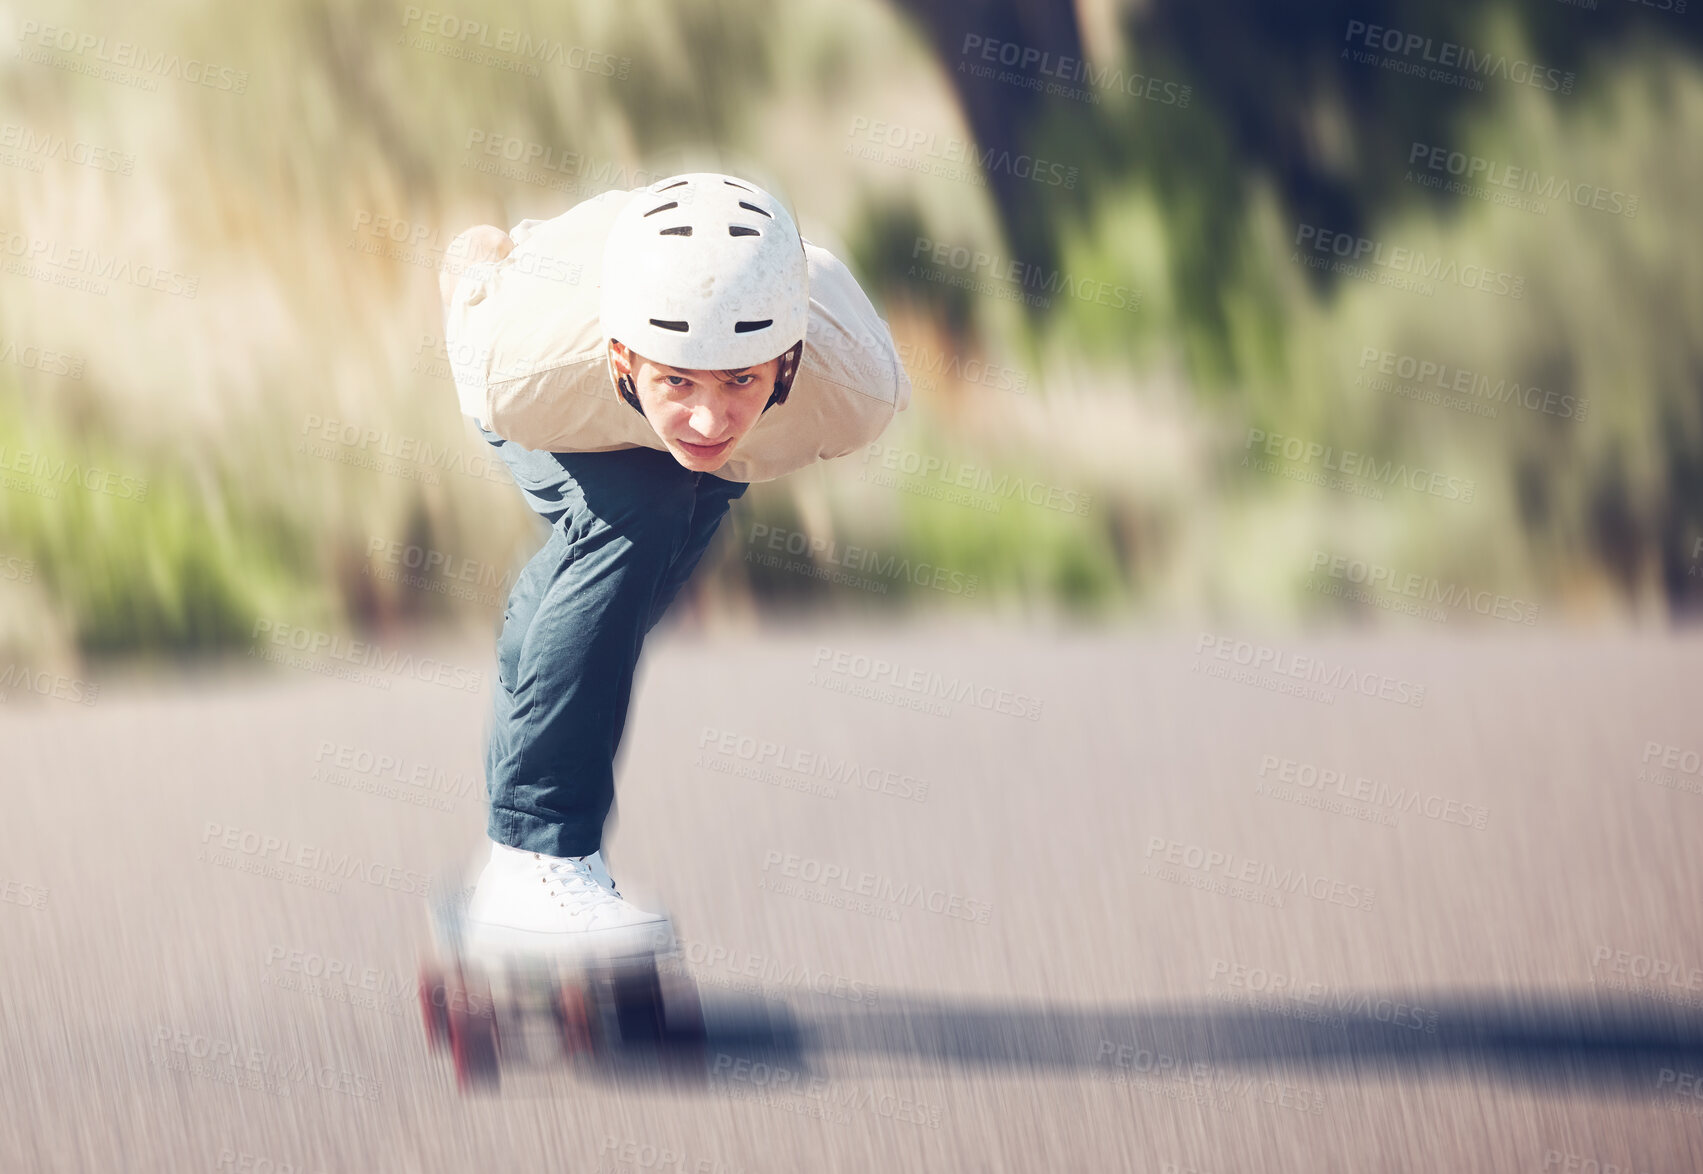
(487, 1011)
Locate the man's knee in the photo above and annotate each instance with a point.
(640, 548)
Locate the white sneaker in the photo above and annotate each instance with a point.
(530, 903)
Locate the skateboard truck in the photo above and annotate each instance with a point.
(483, 1011)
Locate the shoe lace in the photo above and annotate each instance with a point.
(573, 878)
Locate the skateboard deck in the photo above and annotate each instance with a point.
(486, 1010)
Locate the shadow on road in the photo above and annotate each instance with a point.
(1585, 1040)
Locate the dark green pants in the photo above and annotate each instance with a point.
(626, 530)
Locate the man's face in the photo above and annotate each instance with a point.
(702, 415)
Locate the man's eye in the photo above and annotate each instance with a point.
(745, 380)
(675, 380)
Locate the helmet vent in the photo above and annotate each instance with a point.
(704, 272)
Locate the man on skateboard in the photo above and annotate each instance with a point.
(638, 361)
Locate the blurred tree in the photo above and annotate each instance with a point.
(1278, 100)
(1272, 86)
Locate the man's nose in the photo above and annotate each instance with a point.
(706, 421)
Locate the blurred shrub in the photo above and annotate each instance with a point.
(309, 210)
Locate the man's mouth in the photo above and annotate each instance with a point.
(703, 450)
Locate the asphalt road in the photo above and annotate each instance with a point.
(1006, 901)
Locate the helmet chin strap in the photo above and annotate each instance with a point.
(621, 368)
(788, 371)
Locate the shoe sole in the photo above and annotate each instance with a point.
(485, 939)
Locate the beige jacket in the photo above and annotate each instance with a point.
(529, 356)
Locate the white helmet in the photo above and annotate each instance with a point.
(705, 271)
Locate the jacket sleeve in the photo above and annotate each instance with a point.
(466, 334)
(524, 336)
(853, 356)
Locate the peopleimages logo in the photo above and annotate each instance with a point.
(1253, 981)
(880, 136)
(250, 851)
(85, 267)
(243, 1162)
(1010, 273)
(1358, 464)
(47, 684)
(924, 683)
(1311, 669)
(129, 55)
(1674, 767)
(34, 358)
(1061, 75)
(23, 895)
(1471, 170)
(1428, 375)
(754, 972)
(415, 242)
(1445, 61)
(520, 50)
(399, 453)
(47, 145)
(1426, 587)
(317, 965)
(1306, 777)
(551, 157)
(925, 361)
(858, 559)
(972, 479)
(362, 654)
(1344, 252)
(862, 883)
(816, 764)
(1286, 878)
(1669, 971)
(226, 1061)
(777, 1087)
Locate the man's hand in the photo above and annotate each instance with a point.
(482, 242)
